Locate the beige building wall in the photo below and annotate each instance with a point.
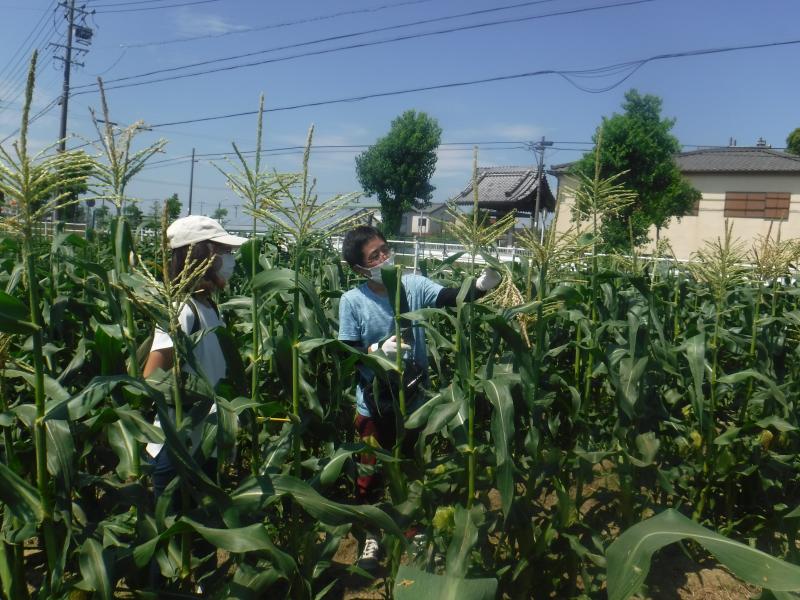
(689, 234)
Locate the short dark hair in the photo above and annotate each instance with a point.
(354, 240)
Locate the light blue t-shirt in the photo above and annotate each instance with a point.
(367, 318)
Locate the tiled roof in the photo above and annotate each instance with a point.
(430, 209)
(738, 160)
(726, 160)
(504, 188)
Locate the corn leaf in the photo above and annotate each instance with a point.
(413, 584)
(629, 555)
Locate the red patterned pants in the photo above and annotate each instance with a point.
(378, 433)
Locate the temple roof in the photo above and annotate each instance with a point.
(506, 188)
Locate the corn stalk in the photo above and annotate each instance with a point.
(32, 181)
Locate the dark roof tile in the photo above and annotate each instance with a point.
(738, 160)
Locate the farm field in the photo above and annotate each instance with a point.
(586, 413)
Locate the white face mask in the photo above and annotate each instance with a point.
(375, 272)
(225, 269)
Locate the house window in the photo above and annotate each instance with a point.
(422, 223)
(759, 205)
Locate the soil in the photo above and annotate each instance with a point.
(675, 576)
(356, 587)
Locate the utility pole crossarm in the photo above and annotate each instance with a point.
(538, 148)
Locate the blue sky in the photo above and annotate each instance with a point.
(743, 95)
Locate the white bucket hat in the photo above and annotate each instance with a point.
(199, 228)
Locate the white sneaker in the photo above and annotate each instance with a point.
(370, 553)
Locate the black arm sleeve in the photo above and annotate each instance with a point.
(354, 344)
(448, 296)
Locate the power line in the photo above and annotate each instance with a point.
(481, 81)
(134, 2)
(352, 46)
(128, 10)
(39, 23)
(20, 88)
(15, 88)
(14, 73)
(316, 148)
(317, 41)
(47, 108)
(370, 9)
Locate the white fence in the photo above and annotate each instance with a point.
(415, 249)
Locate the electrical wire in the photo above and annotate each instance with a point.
(130, 10)
(15, 88)
(350, 35)
(369, 9)
(449, 146)
(133, 2)
(114, 64)
(17, 77)
(457, 84)
(43, 111)
(21, 56)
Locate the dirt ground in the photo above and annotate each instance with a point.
(355, 587)
(673, 576)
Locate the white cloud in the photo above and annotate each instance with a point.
(352, 135)
(191, 24)
(516, 132)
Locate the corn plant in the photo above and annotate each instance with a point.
(29, 180)
(113, 174)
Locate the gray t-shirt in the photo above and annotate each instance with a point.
(367, 318)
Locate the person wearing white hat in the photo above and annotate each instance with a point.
(193, 239)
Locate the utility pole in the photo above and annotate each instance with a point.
(62, 131)
(191, 183)
(538, 147)
(83, 35)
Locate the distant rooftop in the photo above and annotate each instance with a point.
(738, 160)
(506, 188)
(731, 159)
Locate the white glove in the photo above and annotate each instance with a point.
(488, 279)
(389, 348)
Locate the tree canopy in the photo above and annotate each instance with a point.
(220, 214)
(793, 142)
(398, 167)
(174, 207)
(134, 215)
(639, 142)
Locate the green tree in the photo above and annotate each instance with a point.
(174, 207)
(793, 142)
(398, 167)
(134, 215)
(639, 142)
(220, 214)
(153, 220)
(102, 217)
